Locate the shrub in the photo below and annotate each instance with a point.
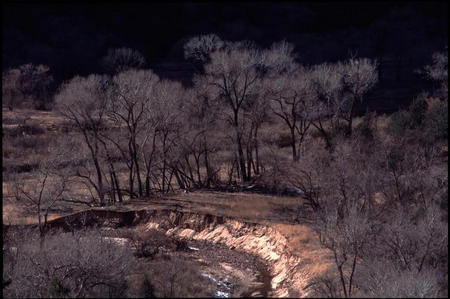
(79, 265)
(409, 119)
(367, 127)
(25, 130)
(339, 130)
(417, 111)
(398, 123)
(436, 122)
(146, 249)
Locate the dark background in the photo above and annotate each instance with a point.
(72, 38)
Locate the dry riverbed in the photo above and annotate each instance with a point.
(194, 268)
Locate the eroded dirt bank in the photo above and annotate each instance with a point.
(287, 276)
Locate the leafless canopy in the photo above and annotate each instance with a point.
(122, 59)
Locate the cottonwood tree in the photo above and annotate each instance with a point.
(235, 72)
(359, 76)
(28, 81)
(82, 100)
(199, 137)
(130, 96)
(278, 60)
(199, 47)
(11, 89)
(166, 115)
(340, 88)
(150, 152)
(292, 98)
(438, 71)
(256, 114)
(328, 84)
(122, 59)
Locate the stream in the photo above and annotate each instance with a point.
(234, 273)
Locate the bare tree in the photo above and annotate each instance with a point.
(328, 84)
(360, 75)
(279, 59)
(198, 138)
(166, 115)
(257, 114)
(235, 72)
(83, 102)
(438, 71)
(383, 278)
(292, 98)
(79, 265)
(11, 89)
(340, 87)
(199, 47)
(28, 81)
(129, 99)
(42, 191)
(346, 238)
(122, 59)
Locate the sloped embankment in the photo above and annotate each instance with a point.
(287, 278)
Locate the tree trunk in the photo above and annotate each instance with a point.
(164, 165)
(208, 170)
(352, 111)
(324, 135)
(240, 149)
(138, 175)
(293, 144)
(112, 188)
(179, 181)
(249, 160)
(116, 181)
(256, 151)
(131, 179)
(241, 161)
(197, 163)
(352, 273)
(100, 182)
(147, 184)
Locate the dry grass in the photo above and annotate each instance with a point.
(16, 214)
(249, 206)
(19, 212)
(37, 117)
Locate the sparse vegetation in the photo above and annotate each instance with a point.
(254, 120)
